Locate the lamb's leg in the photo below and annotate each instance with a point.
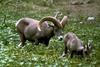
(65, 52)
(72, 53)
(81, 53)
(22, 38)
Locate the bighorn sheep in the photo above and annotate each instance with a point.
(75, 45)
(39, 31)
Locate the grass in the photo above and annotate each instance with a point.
(42, 56)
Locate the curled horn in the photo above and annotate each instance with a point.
(52, 19)
(64, 21)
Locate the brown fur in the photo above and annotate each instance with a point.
(73, 44)
(29, 29)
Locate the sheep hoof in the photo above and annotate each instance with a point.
(63, 55)
(20, 45)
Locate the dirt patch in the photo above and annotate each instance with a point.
(85, 9)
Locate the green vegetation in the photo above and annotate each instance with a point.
(40, 55)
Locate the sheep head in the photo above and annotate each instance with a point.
(59, 25)
(50, 18)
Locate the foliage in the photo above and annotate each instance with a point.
(40, 55)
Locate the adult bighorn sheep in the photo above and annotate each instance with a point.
(75, 45)
(39, 31)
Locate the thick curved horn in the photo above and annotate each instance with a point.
(64, 21)
(52, 19)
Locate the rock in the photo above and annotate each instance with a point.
(77, 3)
(91, 19)
(80, 2)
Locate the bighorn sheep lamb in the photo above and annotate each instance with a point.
(75, 45)
(39, 31)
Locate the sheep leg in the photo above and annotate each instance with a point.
(22, 37)
(82, 53)
(65, 44)
(36, 42)
(46, 42)
(65, 50)
(72, 52)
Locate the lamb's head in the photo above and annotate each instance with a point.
(88, 47)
